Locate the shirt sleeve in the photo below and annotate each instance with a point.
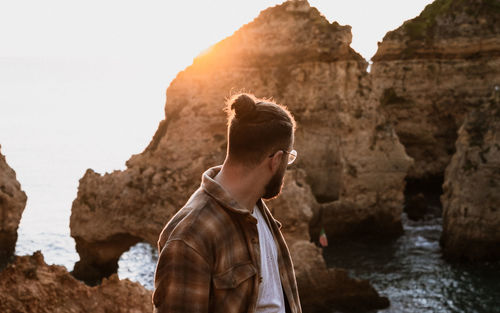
(182, 280)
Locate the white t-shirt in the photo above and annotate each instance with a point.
(270, 299)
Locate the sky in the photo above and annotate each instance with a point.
(168, 33)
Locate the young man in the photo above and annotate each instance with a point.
(224, 251)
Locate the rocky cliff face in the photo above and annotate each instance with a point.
(12, 203)
(29, 285)
(431, 71)
(471, 199)
(350, 154)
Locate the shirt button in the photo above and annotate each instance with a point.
(260, 279)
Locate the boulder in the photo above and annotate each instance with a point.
(433, 70)
(471, 199)
(12, 203)
(28, 285)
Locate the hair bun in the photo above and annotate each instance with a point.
(243, 106)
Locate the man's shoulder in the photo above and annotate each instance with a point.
(199, 208)
(196, 222)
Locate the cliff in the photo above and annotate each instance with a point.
(29, 285)
(349, 153)
(12, 203)
(433, 70)
(471, 199)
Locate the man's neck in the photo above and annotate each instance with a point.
(242, 184)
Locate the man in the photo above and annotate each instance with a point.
(223, 251)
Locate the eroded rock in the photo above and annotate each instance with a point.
(29, 285)
(471, 199)
(291, 52)
(12, 203)
(112, 213)
(431, 71)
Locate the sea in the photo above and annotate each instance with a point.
(59, 117)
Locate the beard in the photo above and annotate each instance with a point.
(273, 187)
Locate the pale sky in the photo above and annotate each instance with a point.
(168, 32)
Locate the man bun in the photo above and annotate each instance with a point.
(243, 106)
(256, 128)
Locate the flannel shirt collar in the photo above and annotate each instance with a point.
(221, 195)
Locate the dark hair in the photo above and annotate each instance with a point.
(256, 127)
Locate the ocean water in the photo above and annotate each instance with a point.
(411, 272)
(55, 124)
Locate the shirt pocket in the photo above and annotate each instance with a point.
(234, 276)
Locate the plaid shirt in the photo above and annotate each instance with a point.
(210, 256)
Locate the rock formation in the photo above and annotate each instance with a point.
(471, 199)
(29, 285)
(12, 203)
(320, 288)
(431, 71)
(350, 153)
(113, 212)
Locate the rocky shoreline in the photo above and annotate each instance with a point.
(29, 285)
(435, 76)
(363, 125)
(425, 112)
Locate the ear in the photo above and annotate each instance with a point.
(275, 161)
